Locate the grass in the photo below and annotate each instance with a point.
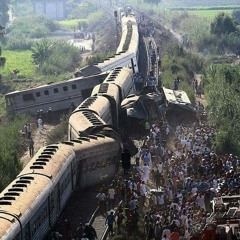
(70, 24)
(211, 14)
(21, 60)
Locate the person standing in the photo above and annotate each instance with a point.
(29, 133)
(31, 147)
(111, 197)
(158, 179)
(40, 124)
(110, 220)
(25, 129)
(69, 234)
(102, 202)
(80, 231)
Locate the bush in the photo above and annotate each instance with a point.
(34, 26)
(61, 58)
(59, 134)
(12, 144)
(175, 69)
(76, 10)
(17, 41)
(99, 57)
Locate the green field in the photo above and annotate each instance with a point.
(211, 14)
(71, 23)
(21, 60)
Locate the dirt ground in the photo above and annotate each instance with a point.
(40, 140)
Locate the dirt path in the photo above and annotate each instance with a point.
(40, 140)
(201, 99)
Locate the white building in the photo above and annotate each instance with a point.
(53, 9)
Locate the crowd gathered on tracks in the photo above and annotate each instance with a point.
(167, 193)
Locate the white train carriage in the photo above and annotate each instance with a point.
(129, 32)
(81, 122)
(57, 96)
(97, 156)
(30, 205)
(123, 78)
(112, 93)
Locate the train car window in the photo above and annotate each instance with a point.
(65, 88)
(28, 97)
(38, 94)
(55, 90)
(74, 86)
(46, 92)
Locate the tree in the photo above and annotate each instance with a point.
(223, 24)
(223, 105)
(4, 17)
(41, 51)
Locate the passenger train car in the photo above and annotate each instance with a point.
(105, 102)
(31, 204)
(57, 96)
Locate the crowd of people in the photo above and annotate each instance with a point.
(174, 185)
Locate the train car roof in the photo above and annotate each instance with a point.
(88, 119)
(19, 198)
(118, 76)
(22, 191)
(72, 80)
(177, 100)
(48, 161)
(96, 142)
(176, 96)
(106, 88)
(127, 21)
(93, 103)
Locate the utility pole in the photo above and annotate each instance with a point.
(116, 21)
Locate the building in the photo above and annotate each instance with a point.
(53, 9)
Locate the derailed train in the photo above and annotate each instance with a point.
(59, 96)
(31, 204)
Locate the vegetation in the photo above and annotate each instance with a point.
(208, 13)
(98, 57)
(223, 97)
(59, 134)
(177, 62)
(33, 26)
(223, 25)
(12, 145)
(20, 60)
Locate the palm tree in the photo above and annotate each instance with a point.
(41, 51)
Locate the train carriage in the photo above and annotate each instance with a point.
(34, 200)
(123, 78)
(97, 156)
(57, 96)
(111, 92)
(82, 122)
